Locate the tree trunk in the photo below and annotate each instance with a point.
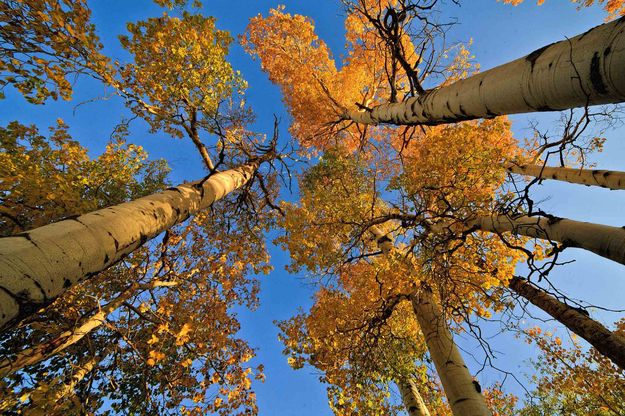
(460, 389)
(602, 339)
(588, 69)
(462, 392)
(46, 350)
(412, 398)
(604, 240)
(603, 178)
(39, 265)
(50, 398)
(67, 389)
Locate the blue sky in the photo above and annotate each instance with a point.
(500, 33)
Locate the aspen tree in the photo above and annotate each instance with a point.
(462, 395)
(604, 240)
(338, 195)
(584, 70)
(412, 399)
(39, 265)
(184, 338)
(590, 177)
(606, 342)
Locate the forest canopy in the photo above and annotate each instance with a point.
(184, 193)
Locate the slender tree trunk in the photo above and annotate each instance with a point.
(604, 240)
(604, 178)
(203, 152)
(585, 70)
(602, 339)
(461, 391)
(39, 265)
(49, 397)
(191, 130)
(67, 389)
(407, 387)
(412, 398)
(66, 339)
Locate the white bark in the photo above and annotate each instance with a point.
(588, 69)
(608, 343)
(39, 265)
(592, 177)
(460, 389)
(604, 240)
(38, 353)
(49, 399)
(415, 406)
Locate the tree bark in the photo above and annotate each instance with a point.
(591, 177)
(602, 339)
(39, 265)
(67, 389)
(604, 240)
(49, 398)
(588, 69)
(412, 398)
(191, 130)
(66, 339)
(461, 390)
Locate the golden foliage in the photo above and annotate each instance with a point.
(179, 72)
(43, 42)
(45, 179)
(571, 379)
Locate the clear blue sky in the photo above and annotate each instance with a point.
(500, 33)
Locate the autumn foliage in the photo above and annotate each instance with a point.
(156, 332)
(378, 225)
(44, 43)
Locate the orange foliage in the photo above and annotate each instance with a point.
(315, 91)
(176, 345)
(301, 65)
(573, 380)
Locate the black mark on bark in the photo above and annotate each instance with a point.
(532, 57)
(595, 75)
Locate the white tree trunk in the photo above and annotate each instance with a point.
(608, 343)
(39, 265)
(67, 389)
(48, 399)
(461, 391)
(38, 353)
(604, 240)
(412, 398)
(604, 178)
(588, 69)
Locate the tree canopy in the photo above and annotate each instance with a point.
(403, 193)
